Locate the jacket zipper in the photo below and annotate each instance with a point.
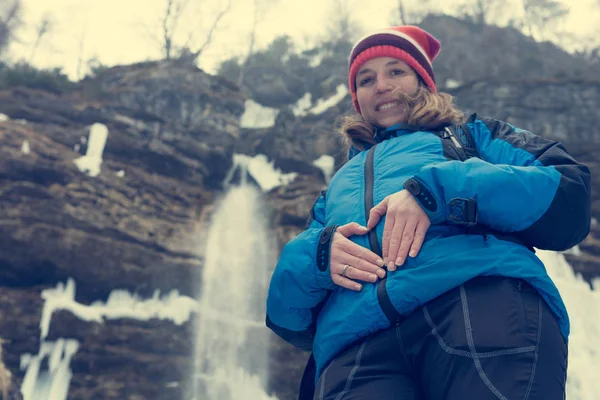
(452, 137)
(369, 203)
(384, 301)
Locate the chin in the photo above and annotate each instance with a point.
(387, 122)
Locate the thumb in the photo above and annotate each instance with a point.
(352, 229)
(376, 213)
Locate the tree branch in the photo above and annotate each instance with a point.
(211, 31)
(167, 35)
(13, 13)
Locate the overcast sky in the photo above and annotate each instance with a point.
(120, 31)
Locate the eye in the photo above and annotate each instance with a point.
(397, 72)
(364, 81)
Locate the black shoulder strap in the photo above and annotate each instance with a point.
(462, 139)
(466, 138)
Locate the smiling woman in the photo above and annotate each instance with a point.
(415, 278)
(393, 84)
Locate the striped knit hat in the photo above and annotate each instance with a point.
(407, 43)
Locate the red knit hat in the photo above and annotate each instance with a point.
(407, 43)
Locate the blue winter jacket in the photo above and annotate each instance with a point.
(524, 186)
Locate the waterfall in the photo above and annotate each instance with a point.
(232, 340)
(583, 304)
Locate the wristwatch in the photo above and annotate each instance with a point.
(421, 193)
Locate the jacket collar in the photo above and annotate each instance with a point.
(380, 134)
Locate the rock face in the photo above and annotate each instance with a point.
(140, 224)
(154, 368)
(127, 228)
(170, 144)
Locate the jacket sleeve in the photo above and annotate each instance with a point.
(301, 281)
(523, 184)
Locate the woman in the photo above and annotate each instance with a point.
(465, 309)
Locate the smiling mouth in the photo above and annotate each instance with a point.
(387, 106)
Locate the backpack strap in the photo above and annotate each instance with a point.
(464, 135)
(462, 140)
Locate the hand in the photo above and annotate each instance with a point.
(405, 227)
(359, 262)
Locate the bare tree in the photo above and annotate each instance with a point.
(483, 11)
(10, 18)
(541, 16)
(170, 20)
(173, 11)
(260, 8)
(43, 27)
(343, 26)
(410, 14)
(80, 52)
(195, 54)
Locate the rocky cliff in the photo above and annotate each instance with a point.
(172, 133)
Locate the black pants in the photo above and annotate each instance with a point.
(491, 338)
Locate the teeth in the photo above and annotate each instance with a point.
(388, 105)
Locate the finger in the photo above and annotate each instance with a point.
(360, 264)
(352, 229)
(344, 251)
(363, 254)
(395, 240)
(385, 238)
(377, 212)
(345, 282)
(420, 232)
(355, 273)
(407, 240)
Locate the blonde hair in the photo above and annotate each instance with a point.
(425, 109)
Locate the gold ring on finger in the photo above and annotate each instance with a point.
(344, 270)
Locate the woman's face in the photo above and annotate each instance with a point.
(375, 81)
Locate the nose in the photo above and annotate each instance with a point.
(383, 85)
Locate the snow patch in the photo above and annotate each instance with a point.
(256, 116)
(120, 304)
(327, 164)
(120, 173)
(452, 84)
(263, 171)
(92, 160)
(302, 106)
(52, 382)
(324, 105)
(315, 60)
(25, 149)
(4, 117)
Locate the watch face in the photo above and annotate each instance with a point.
(413, 187)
